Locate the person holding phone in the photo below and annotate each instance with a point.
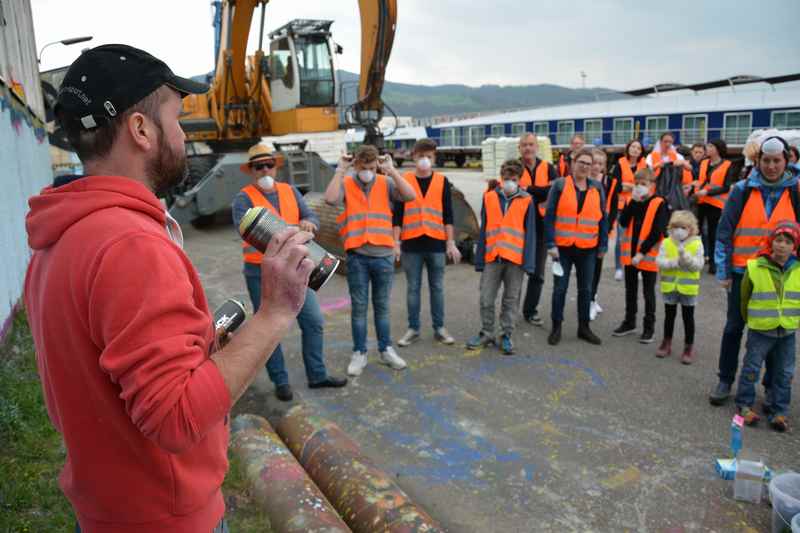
(366, 229)
(285, 201)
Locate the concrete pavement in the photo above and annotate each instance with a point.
(571, 438)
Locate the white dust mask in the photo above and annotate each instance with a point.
(366, 176)
(680, 234)
(640, 191)
(266, 182)
(423, 164)
(510, 187)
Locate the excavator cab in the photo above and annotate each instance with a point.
(302, 77)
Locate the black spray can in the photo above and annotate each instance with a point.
(259, 225)
(229, 315)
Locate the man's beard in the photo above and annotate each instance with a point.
(168, 168)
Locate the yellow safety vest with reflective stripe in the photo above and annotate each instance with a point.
(685, 282)
(766, 309)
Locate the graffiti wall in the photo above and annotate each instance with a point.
(24, 150)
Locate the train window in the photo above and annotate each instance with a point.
(449, 137)
(517, 129)
(623, 131)
(736, 127)
(498, 130)
(475, 136)
(654, 127)
(694, 129)
(541, 128)
(565, 129)
(786, 119)
(593, 131)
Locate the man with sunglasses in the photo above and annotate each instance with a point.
(285, 201)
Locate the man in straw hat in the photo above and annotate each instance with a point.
(285, 201)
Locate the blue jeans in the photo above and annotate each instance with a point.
(732, 337)
(412, 264)
(583, 259)
(311, 322)
(762, 348)
(361, 271)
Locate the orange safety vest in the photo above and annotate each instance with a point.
(655, 157)
(717, 180)
(288, 210)
(627, 176)
(542, 179)
(610, 195)
(366, 220)
(505, 232)
(563, 167)
(648, 262)
(573, 228)
(753, 227)
(424, 215)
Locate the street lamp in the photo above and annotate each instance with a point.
(65, 42)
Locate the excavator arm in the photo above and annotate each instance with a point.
(378, 25)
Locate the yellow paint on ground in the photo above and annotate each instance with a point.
(626, 477)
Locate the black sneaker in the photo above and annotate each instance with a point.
(534, 319)
(329, 382)
(586, 333)
(720, 394)
(555, 334)
(284, 393)
(647, 337)
(624, 329)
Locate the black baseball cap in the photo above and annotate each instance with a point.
(107, 80)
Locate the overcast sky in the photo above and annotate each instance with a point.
(620, 44)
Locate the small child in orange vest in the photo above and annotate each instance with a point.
(680, 261)
(506, 251)
(644, 221)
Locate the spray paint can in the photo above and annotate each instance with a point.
(229, 315)
(259, 225)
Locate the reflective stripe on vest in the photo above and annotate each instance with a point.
(542, 179)
(505, 232)
(766, 309)
(627, 178)
(289, 212)
(648, 262)
(717, 180)
(753, 228)
(683, 281)
(425, 214)
(366, 220)
(579, 229)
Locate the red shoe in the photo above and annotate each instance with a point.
(688, 355)
(665, 349)
(751, 418)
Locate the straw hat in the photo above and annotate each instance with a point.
(259, 152)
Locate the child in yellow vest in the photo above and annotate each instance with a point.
(771, 308)
(680, 260)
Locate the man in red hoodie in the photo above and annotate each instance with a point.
(122, 328)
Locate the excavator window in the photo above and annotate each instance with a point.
(281, 67)
(316, 71)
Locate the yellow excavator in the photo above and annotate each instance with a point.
(292, 89)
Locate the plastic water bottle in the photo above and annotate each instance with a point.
(736, 434)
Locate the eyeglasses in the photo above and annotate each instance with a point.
(584, 163)
(263, 165)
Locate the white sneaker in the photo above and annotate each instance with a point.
(443, 336)
(410, 336)
(618, 275)
(592, 311)
(357, 363)
(389, 357)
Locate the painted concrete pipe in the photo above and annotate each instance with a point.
(289, 497)
(365, 496)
